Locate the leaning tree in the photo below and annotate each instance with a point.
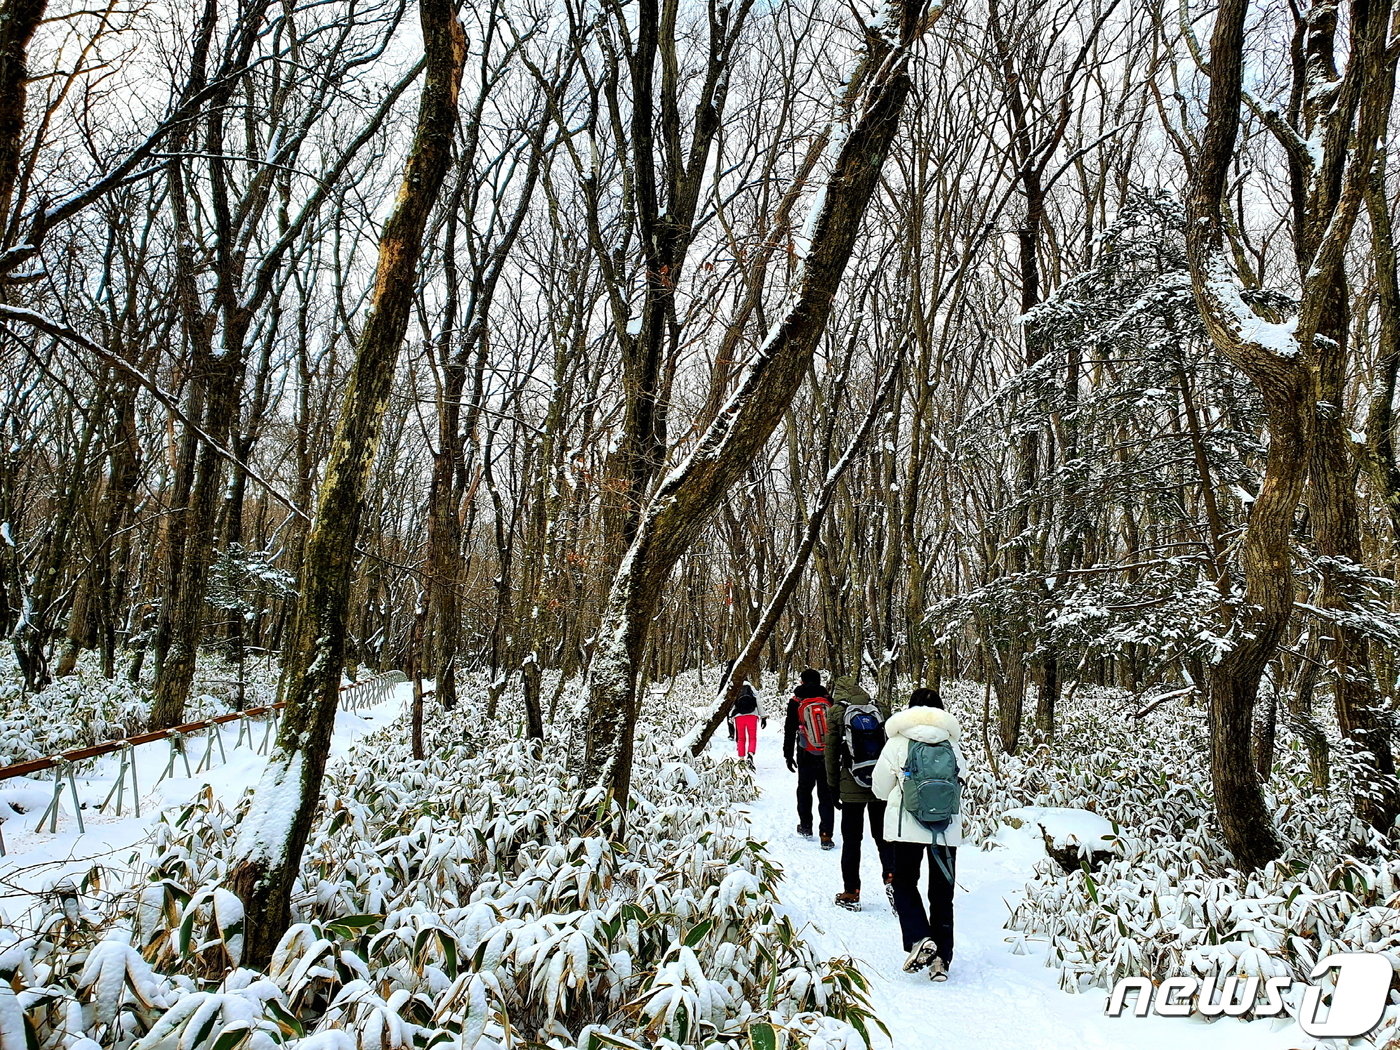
(687, 497)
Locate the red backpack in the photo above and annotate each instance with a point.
(811, 724)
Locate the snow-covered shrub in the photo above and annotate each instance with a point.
(476, 899)
(85, 708)
(1130, 319)
(1168, 902)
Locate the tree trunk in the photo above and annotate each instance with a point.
(212, 407)
(1256, 625)
(1380, 423)
(273, 835)
(18, 21)
(182, 612)
(1333, 504)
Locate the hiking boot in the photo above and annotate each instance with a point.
(920, 955)
(849, 901)
(749, 760)
(804, 831)
(827, 843)
(937, 970)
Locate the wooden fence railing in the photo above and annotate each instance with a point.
(354, 696)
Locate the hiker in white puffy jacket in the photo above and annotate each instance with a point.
(928, 935)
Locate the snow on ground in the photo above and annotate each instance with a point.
(1000, 993)
(36, 859)
(1066, 827)
(994, 998)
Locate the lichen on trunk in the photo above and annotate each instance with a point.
(263, 868)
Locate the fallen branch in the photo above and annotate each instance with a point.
(1158, 701)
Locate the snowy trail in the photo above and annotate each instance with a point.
(993, 998)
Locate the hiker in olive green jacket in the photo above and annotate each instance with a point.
(850, 755)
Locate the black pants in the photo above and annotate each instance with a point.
(914, 922)
(811, 772)
(852, 831)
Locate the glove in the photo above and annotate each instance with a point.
(792, 765)
(836, 802)
(764, 723)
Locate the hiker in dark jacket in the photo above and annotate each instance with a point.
(850, 784)
(928, 935)
(804, 757)
(744, 719)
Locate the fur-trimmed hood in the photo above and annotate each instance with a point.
(928, 725)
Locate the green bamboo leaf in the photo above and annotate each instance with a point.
(286, 1020)
(352, 925)
(698, 933)
(763, 1037)
(234, 1035)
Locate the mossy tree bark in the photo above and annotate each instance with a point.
(1290, 363)
(274, 832)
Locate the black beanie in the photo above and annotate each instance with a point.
(811, 677)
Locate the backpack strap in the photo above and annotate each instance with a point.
(937, 857)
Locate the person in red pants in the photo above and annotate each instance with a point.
(744, 721)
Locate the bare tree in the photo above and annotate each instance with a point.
(1291, 363)
(273, 833)
(691, 493)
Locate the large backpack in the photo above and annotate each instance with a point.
(931, 793)
(811, 724)
(863, 736)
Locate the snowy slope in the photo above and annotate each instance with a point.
(994, 997)
(35, 858)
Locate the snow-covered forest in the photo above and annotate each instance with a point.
(420, 420)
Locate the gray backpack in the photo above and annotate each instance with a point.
(931, 792)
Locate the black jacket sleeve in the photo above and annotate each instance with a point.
(790, 730)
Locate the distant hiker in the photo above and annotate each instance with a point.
(855, 735)
(919, 776)
(744, 719)
(804, 743)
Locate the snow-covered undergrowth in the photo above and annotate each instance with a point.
(467, 900)
(1168, 903)
(85, 708)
